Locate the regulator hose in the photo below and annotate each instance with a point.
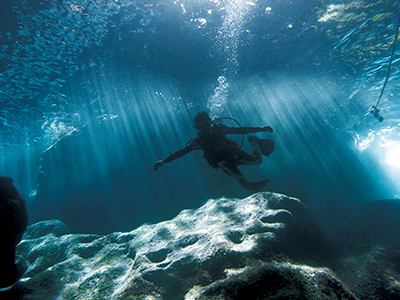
(374, 109)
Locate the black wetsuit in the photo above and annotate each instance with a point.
(218, 149)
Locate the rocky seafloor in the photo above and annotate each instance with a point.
(266, 246)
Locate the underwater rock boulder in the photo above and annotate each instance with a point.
(265, 243)
(166, 259)
(274, 281)
(55, 227)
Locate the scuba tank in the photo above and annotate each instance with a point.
(217, 121)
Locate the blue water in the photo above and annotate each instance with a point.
(92, 93)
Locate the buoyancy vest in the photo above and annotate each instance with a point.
(217, 147)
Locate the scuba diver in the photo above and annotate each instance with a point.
(222, 152)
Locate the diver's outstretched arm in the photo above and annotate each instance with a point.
(173, 156)
(245, 130)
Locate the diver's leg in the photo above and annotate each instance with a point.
(235, 173)
(232, 171)
(255, 148)
(255, 158)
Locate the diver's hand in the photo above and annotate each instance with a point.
(268, 128)
(158, 164)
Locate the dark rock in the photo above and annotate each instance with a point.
(375, 274)
(13, 223)
(275, 281)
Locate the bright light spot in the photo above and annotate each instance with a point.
(201, 21)
(363, 143)
(331, 7)
(235, 272)
(33, 194)
(268, 9)
(183, 9)
(393, 154)
(333, 12)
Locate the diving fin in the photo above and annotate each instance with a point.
(266, 146)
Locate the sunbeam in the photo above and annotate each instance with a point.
(302, 110)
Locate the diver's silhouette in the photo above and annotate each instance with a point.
(224, 153)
